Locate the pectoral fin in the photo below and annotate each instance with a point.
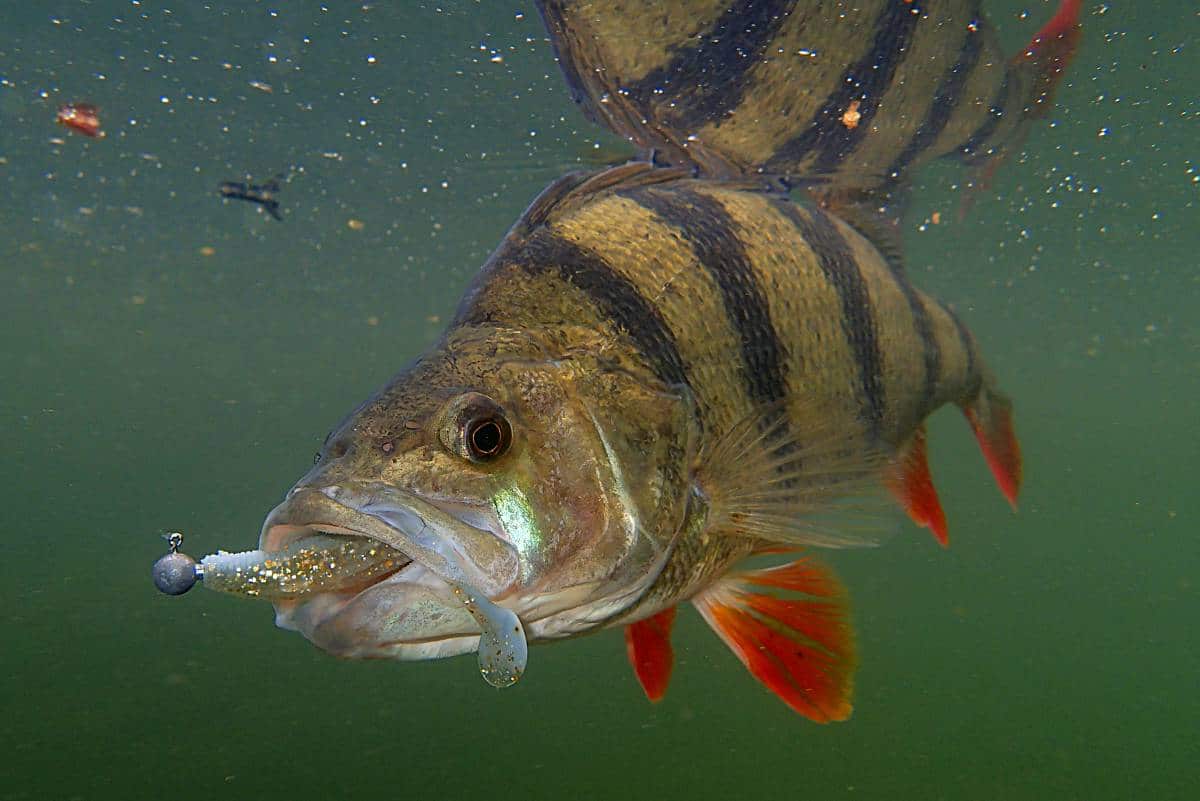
(801, 648)
(648, 644)
(796, 479)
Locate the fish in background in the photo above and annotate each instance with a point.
(671, 365)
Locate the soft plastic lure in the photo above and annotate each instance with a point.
(330, 562)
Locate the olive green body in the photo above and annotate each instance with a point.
(679, 308)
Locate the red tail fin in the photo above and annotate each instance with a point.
(802, 649)
(913, 487)
(1051, 51)
(990, 416)
(1047, 56)
(648, 644)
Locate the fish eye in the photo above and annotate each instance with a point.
(487, 437)
(476, 428)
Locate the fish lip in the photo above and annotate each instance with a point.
(354, 510)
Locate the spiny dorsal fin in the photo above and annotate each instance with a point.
(876, 214)
(797, 481)
(571, 190)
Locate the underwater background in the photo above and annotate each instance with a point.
(170, 360)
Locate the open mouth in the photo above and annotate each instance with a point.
(369, 570)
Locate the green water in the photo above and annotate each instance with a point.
(147, 386)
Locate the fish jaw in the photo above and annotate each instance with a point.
(418, 611)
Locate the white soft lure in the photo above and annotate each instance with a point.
(324, 562)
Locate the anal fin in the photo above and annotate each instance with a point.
(912, 485)
(648, 644)
(801, 648)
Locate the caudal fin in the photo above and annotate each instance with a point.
(990, 416)
(1036, 72)
(1050, 51)
(801, 648)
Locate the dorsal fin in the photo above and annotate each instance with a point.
(571, 190)
(875, 214)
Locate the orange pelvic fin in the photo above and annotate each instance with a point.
(990, 416)
(648, 644)
(913, 487)
(801, 648)
(1051, 51)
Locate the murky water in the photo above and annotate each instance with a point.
(171, 361)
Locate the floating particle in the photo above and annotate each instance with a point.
(208, 250)
(355, 225)
(82, 118)
(852, 116)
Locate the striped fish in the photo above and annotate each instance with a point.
(664, 370)
(841, 97)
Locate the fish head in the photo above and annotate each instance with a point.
(551, 487)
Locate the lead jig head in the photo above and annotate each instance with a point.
(175, 573)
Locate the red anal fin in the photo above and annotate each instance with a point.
(990, 417)
(913, 487)
(1051, 50)
(648, 644)
(801, 648)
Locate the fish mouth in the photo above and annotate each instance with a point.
(427, 566)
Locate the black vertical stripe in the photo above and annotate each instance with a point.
(867, 80)
(704, 82)
(931, 352)
(984, 132)
(945, 100)
(837, 263)
(615, 297)
(713, 236)
(967, 342)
